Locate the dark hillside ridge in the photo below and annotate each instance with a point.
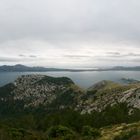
(34, 91)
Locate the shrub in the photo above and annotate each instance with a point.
(90, 132)
(60, 131)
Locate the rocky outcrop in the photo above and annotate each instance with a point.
(107, 95)
(40, 91)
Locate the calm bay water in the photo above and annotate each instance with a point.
(83, 79)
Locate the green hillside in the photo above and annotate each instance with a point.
(38, 107)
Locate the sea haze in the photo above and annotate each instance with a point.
(83, 79)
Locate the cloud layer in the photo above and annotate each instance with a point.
(72, 33)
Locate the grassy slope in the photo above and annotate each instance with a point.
(109, 133)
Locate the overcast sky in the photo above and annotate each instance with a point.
(70, 33)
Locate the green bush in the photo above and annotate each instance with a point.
(60, 131)
(90, 132)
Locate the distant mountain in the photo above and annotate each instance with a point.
(136, 68)
(23, 68)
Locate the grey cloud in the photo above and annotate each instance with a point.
(118, 54)
(28, 56)
(136, 60)
(33, 56)
(88, 24)
(15, 59)
(130, 57)
(134, 54)
(76, 56)
(114, 53)
(80, 19)
(8, 59)
(106, 59)
(22, 55)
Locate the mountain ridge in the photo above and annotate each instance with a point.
(23, 68)
(32, 91)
